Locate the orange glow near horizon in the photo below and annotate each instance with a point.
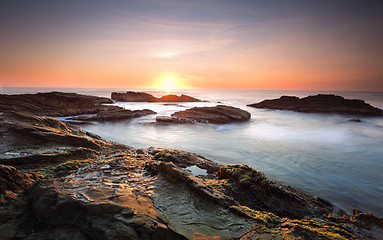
(171, 46)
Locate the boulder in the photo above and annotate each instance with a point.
(220, 114)
(321, 103)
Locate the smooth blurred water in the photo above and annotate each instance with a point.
(321, 154)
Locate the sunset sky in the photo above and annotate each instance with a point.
(208, 44)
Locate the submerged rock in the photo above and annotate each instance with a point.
(220, 114)
(146, 97)
(321, 103)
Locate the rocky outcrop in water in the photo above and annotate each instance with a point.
(60, 182)
(146, 97)
(215, 115)
(321, 103)
(56, 104)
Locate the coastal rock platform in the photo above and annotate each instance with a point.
(321, 103)
(60, 182)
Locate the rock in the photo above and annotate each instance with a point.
(52, 103)
(253, 189)
(133, 97)
(90, 108)
(220, 114)
(13, 181)
(112, 113)
(146, 97)
(366, 220)
(175, 98)
(321, 103)
(355, 120)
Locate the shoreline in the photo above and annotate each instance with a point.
(91, 169)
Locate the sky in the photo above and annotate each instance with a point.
(203, 44)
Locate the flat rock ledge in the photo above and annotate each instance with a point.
(220, 114)
(146, 97)
(321, 103)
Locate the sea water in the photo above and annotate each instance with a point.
(320, 154)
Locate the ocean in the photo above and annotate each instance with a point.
(320, 154)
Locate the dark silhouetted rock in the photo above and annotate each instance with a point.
(175, 98)
(146, 97)
(321, 103)
(134, 97)
(215, 115)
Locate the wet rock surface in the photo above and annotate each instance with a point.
(146, 97)
(220, 114)
(63, 183)
(321, 103)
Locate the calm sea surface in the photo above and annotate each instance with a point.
(321, 154)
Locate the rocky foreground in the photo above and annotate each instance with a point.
(321, 103)
(146, 97)
(60, 182)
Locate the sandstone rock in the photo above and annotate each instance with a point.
(220, 114)
(321, 103)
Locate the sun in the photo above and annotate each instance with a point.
(169, 84)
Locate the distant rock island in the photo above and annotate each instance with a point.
(59, 104)
(131, 96)
(321, 103)
(215, 115)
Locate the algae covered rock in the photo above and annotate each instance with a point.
(253, 189)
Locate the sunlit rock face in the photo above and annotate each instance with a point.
(215, 115)
(146, 97)
(321, 103)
